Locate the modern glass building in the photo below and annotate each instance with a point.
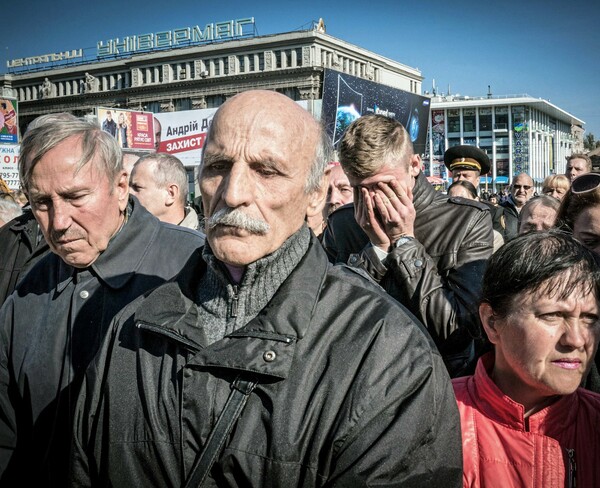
(520, 134)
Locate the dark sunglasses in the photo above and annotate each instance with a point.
(586, 182)
(524, 187)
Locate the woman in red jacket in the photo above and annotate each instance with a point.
(525, 421)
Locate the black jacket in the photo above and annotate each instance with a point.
(52, 326)
(437, 275)
(21, 246)
(507, 219)
(351, 391)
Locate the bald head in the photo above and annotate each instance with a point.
(264, 111)
(522, 189)
(262, 175)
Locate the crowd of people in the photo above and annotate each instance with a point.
(317, 319)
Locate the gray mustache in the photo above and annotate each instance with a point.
(234, 217)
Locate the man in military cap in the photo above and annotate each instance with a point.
(467, 163)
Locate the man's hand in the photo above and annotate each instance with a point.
(385, 212)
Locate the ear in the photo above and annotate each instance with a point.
(172, 194)
(414, 165)
(316, 199)
(489, 322)
(122, 189)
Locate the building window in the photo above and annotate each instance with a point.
(501, 119)
(485, 119)
(453, 121)
(469, 120)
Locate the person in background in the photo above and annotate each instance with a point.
(160, 182)
(579, 211)
(538, 214)
(122, 130)
(467, 163)
(157, 134)
(427, 251)
(465, 189)
(339, 190)
(577, 164)
(507, 217)
(524, 419)
(9, 209)
(109, 125)
(579, 214)
(130, 157)
(106, 251)
(332, 382)
(556, 186)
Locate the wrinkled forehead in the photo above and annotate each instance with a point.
(251, 122)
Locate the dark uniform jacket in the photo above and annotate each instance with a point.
(21, 246)
(351, 391)
(52, 326)
(507, 219)
(437, 275)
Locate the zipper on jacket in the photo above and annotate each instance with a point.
(234, 302)
(572, 483)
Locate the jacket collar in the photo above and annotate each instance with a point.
(275, 330)
(502, 409)
(125, 253)
(423, 193)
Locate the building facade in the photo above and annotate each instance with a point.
(520, 134)
(195, 76)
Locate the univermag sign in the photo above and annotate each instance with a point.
(177, 37)
(185, 36)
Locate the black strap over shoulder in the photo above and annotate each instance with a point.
(240, 391)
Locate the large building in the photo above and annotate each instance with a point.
(519, 133)
(192, 68)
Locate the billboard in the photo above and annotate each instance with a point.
(346, 97)
(9, 121)
(9, 165)
(183, 133)
(133, 130)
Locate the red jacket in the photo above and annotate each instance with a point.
(548, 449)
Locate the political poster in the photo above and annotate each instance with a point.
(346, 97)
(9, 121)
(132, 129)
(9, 165)
(183, 133)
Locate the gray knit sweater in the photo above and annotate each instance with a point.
(224, 307)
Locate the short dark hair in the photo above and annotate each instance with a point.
(467, 185)
(549, 262)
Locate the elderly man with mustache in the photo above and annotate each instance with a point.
(106, 251)
(263, 365)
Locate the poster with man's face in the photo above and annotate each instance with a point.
(9, 121)
(132, 129)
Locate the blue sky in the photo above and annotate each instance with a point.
(547, 49)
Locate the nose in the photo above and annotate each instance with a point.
(575, 335)
(60, 216)
(237, 188)
(334, 196)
